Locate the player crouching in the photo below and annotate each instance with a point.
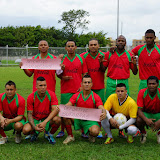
(13, 106)
(40, 116)
(120, 102)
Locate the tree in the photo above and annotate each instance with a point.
(74, 19)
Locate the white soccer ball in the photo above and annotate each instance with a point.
(120, 118)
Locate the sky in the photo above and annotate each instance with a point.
(135, 16)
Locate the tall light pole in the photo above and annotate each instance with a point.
(117, 18)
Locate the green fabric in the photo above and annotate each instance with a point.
(111, 86)
(78, 124)
(143, 84)
(100, 92)
(65, 97)
(140, 50)
(153, 116)
(11, 125)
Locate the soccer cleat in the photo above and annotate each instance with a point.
(18, 138)
(158, 138)
(68, 139)
(51, 139)
(84, 135)
(143, 138)
(130, 139)
(34, 137)
(46, 133)
(121, 134)
(109, 140)
(137, 134)
(28, 137)
(100, 135)
(3, 140)
(92, 139)
(60, 134)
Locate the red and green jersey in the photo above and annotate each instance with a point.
(49, 75)
(75, 68)
(149, 61)
(119, 65)
(148, 103)
(41, 107)
(94, 71)
(92, 101)
(12, 108)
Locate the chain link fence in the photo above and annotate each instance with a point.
(12, 55)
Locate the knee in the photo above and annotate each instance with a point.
(26, 130)
(18, 126)
(94, 131)
(131, 130)
(57, 120)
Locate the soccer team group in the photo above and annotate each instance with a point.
(82, 85)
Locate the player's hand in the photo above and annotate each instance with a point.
(150, 122)
(66, 78)
(156, 126)
(114, 123)
(57, 108)
(102, 116)
(62, 66)
(61, 56)
(112, 49)
(2, 122)
(134, 60)
(7, 122)
(20, 64)
(101, 59)
(39, 128)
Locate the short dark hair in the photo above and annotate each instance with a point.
(71, 40)
(86, 76)
(40, 79)
(95, 39)
(121, 85)
(153, 78)
(10, 83)
(150, 31)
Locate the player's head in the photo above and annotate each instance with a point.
(152, 84)
(93, 45)
(150, 36)
(43, 46)
(121, 42)
(71, 46)
(10, 89)
(41, 85)
(121, 91)
(87, 82)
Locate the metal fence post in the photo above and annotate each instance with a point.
(86, 47)
(27, 51)
(7, 54)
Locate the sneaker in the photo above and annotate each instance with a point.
(60, 134)
(46, 133)
(34, 137)
(130, 139)
(92, 139)
(28, 137)
(100, 135)
(109, 140)
(3, 140)
(18, 138)
(137, 134)
(84, 135)
(51, 139)
(158, 138)
(121, 134)
(68, 139)
(143, 138)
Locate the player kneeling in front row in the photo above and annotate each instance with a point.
(148, 102)
(87, 99)
(40, 115)
(13, 106)
(120, 102)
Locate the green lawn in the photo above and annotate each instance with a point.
(81, 149)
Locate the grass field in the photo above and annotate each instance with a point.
(81, 149)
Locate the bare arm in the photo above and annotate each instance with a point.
(103, 115)
(16, 119)
(101, 60)
(135, 69)
(30, 119)
(26, 71)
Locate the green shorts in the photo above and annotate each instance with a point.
(143, 84)
(155, 116)
(111, 86)
(100, 92)
(47, 127)
(65, 97)
(11, 125)
(78, 124)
